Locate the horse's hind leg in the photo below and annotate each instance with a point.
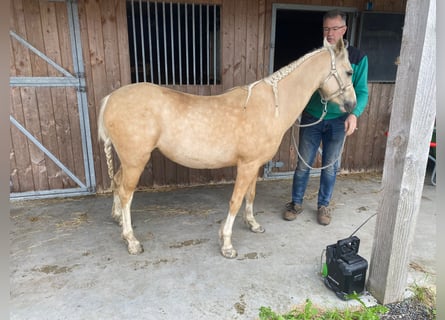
(116, 211)
(125, 190)
(249, 219)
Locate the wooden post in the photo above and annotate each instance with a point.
(410, 131)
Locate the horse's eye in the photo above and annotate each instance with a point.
(349, 73)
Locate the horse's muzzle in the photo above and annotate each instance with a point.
(349, 106)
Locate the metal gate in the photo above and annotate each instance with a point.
(51, 111)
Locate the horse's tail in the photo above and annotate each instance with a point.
(103, 135)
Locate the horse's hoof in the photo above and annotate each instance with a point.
(229, 253)
(258, 229)
(135, 248)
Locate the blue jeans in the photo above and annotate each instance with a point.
(331, 133)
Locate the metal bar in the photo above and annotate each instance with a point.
(194, 45)
(179, 44)
(40, 54)
(164, 32)
(76, 45)
(45, 194)
(172, 42)
(141, 21)
(157, 43)
(200, 45)
(46, 151)
(136, 69)
(43, 82)
(149, 40)
(187, 44)
(208, 44)
(214, 45)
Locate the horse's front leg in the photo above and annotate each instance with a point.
(249, 219)
(245, 174)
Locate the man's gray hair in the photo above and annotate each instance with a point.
(334, 14)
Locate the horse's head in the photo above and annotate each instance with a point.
(337, 87)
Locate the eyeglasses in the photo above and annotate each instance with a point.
(326, 29)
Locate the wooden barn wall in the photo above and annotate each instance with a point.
(245, 38)
(49, 114)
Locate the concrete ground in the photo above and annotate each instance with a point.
(68, 261)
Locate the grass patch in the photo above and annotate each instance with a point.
(423, 302)
(310, 312)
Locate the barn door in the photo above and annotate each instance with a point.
(51, 153)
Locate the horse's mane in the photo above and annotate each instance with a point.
(281, 73)
(284, 71)
(273, 78)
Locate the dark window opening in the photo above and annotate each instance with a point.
(298, 32)
(174, 44)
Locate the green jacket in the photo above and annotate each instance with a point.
(359, 63)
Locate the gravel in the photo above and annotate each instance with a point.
(409, 309)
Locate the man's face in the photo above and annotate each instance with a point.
(334, 29)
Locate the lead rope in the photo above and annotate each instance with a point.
(310, 167)
(325, 103)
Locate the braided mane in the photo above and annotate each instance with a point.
(284, 71)
(278, 75)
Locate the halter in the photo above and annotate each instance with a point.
(333, 73)
(324, 101)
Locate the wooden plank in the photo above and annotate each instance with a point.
(122, 42)
(252, 18)
(261, 40)
(33, 30)
(21, 168)
(56, 116)
(382, 126)
(65, 100)
(411, 127)
(91, 28)
(32, 124)
(227, 43)
(22, 67)
(72, 123)
(239, 59)
(100, 167)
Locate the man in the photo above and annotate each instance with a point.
(330, 131)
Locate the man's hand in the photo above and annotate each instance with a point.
(350, 124)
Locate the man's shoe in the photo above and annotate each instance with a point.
(324, 215)
(292, 211)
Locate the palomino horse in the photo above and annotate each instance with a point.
(242, 127)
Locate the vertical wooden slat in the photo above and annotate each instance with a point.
(382, 125)
(252, 18)
(52, 32)
(28, 95)
(21, 170)
(97, 86)
(261, 58)
(122, 42)
(228, 43)
(239, 59)
(71, 125)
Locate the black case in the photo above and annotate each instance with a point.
(346, 269)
